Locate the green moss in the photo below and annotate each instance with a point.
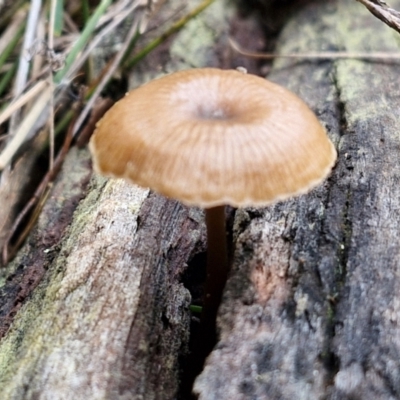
(27, 341)
(355, 35)
(194, 45)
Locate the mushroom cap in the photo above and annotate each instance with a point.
(211, 137)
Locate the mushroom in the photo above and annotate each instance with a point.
(210, 138)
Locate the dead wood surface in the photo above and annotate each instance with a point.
(93, 306)
(311, 310)
(110, 310)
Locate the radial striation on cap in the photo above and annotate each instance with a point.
(211, 137)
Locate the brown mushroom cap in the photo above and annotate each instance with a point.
(211, 137)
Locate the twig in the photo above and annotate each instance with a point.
(381, 10)
(320, 55)
(97, 112)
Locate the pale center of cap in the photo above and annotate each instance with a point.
(212, 112)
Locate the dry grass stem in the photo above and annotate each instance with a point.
(174, 28)
(25, 127)
(42, 52)
(111, 68)
(50, 46)
(29, 39)
(22, 74)
(319, 55)
(51, 125)
(36, 202)
(77, 65)
(38, 59)
(115, 10)
(50, 35)
(22, 100)
(12, 29)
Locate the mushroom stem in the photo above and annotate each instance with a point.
(217, 267)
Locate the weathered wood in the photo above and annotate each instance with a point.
(311, 310)
(97, 309)
(111, 308)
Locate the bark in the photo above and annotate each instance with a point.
(93, 305)
(310, 310)
(109, 312)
